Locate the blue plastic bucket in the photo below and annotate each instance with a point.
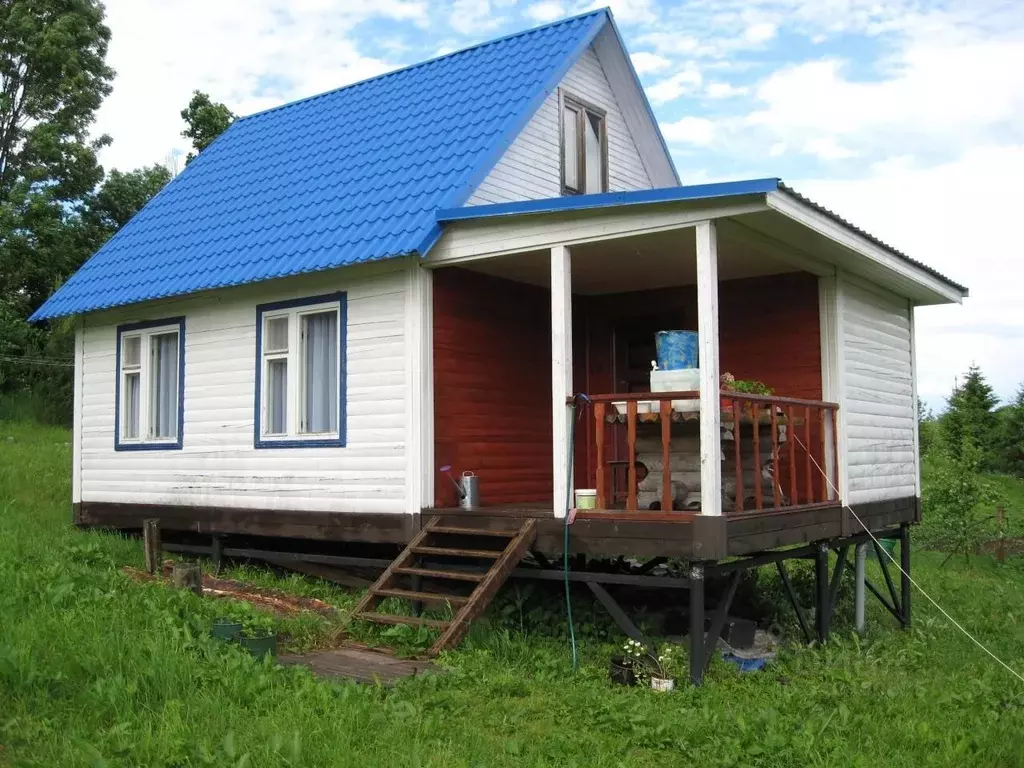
(676, 350)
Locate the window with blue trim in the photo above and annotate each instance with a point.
(149, 403)
(300, 372)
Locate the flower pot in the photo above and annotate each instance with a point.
(663, 684)
(620, 672)
(259, 645)
(225, 629)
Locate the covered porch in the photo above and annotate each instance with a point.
(518, 335)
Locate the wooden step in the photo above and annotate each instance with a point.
(424, 597)
(432, 574)
(412, 621)
(454, 529)
(491, 554)
(485, 587)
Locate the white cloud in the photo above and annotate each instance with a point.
(644, 62)
(934, 93)
(683, 82)
(940, 216)
(470, 17)
(629, 11)
(724, 90)
(760, 32)
(690, 130)
(827, 148)
(250, 54)
(548, 10)
(670, 44)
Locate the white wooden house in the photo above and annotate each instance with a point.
(344, 294)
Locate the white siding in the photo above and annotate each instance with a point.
(530, 168)
(880, 418)
(218, 465)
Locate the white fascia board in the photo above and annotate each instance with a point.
(826, 226)
(485, 238)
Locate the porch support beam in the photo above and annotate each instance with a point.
(710, 387)
(561, 374)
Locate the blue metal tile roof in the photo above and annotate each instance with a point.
(665, 195)
(348, 176)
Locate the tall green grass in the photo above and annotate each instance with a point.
(98, 670)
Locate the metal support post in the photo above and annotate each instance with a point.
(860, 556)
(905, 576)
(822, 589)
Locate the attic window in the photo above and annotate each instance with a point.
(584, 147)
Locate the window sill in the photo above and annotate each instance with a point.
(331, 441)
(149, 445)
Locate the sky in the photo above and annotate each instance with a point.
(904, 116)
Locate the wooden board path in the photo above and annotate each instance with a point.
(361, 664)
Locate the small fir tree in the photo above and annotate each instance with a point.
(970, 417)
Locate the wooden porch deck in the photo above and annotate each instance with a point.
(688, 535)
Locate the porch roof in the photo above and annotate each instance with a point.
(778, 199)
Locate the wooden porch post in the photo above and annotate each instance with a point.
(710, 387)
(561, 372)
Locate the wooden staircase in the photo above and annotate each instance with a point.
(458, 547)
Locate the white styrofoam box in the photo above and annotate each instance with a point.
(682, 380)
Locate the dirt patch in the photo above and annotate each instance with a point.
(273, 600)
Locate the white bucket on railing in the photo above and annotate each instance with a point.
(586, 498)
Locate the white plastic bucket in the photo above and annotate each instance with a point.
(586, 498)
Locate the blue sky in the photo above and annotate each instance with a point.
(905, 116)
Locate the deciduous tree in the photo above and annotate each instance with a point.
(206, 121)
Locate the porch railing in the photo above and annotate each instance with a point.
(772, 449)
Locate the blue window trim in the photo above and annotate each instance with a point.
(163, 445)
(341, 297)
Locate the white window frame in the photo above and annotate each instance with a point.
(582, 108)
(295, 403)
(145, 332)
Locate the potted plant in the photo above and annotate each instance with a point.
(657, 671)
(225, 629)
(730, 383)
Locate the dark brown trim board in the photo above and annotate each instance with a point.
(597, 534)
(322, 526)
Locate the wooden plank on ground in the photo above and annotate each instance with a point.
(362, 665)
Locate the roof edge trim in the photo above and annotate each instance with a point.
(610, 200)
(868, 241)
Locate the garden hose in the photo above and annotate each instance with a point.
(565, 524)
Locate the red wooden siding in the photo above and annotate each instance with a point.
(768, 331)
(492, 386)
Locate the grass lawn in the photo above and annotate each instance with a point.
(98, 670)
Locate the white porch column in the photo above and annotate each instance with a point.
(561, 371)
(710, 387)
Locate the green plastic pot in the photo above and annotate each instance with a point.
(225, 629)
(259, 645)
(889, 545)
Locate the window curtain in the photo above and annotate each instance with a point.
(165, 385)
(277, 397)
(321, 361)
(131, 406)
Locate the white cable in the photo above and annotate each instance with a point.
(942, 610)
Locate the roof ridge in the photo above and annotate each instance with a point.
(603, 10)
